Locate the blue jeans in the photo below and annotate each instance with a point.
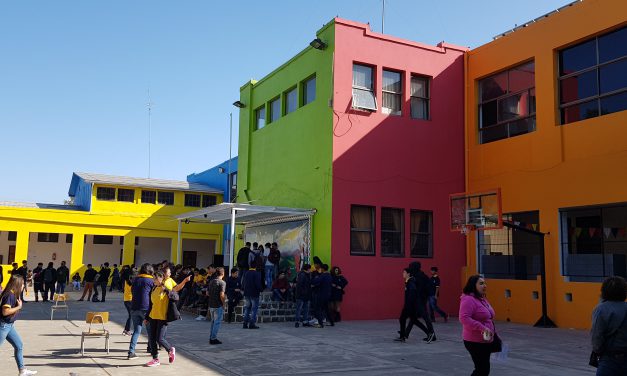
(433, 308)
(138, 321)
(8, 332)
(612, 365)
(60, 287)
(302, 305)
(251, 305)
(216, 320)
(269, 269)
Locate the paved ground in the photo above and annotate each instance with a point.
(350, 348)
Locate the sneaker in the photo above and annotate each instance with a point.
(172, 355)
(131, 356)
(430, 338)
(201, 318)
(245, 325)
(126, 333)
(153, 363)
(306, 324)
(253, 326)
(27, 372)
(296, 324)
(399, 339)
(215, 342)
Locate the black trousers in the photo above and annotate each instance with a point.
(233, 302)
(38, 287)
(480, 354)
(48, 290)
(412, 316)
(158, 331)
(322, 310)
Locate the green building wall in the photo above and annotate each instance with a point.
(266, 176)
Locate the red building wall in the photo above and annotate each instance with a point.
(394, 161)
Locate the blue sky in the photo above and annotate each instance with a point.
(75, 75)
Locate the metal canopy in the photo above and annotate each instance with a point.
(240, 214)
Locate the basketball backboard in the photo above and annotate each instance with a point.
(476, 210)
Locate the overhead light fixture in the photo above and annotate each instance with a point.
(239, 104)
(187, 221)
(318, 44)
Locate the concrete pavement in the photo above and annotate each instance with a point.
(349, 348)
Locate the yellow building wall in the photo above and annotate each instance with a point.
(106, 218)
(578, 164)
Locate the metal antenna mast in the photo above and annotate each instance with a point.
(383, 19)
(149, 104)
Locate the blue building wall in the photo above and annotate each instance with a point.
(81, 191)
(214, 178)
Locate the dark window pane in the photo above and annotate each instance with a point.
(392, 231)
(275, 110)
(579, 87)
(532, 101)
(165, 198)
(578, 57)
(362, 230)
(614, 103)
(613, 76)
(208, 200)
(391, 81)
(103, 239)
(260, 118)
(192, 200)
(421, 234)
(580, 111)
(487, 114)
(44, 237)
(419, 108)
(149, 197)
(522, 77)
(522, 126)
(309, 91)
(126, 195)
(291, 101)
(105, 193)
(497, 132)
(493, 86)
(613, 45)
(514, 106)
(362, 76)
(68, 238)
(12, 236)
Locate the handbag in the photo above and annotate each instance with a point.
(496, 345)
(594, 359)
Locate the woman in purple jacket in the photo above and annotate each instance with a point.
(476, 315)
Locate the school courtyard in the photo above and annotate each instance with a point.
(349, 348)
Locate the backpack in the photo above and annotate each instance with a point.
(48, 275)
(242, 258)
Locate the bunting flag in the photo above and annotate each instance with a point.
(591, 231)
(534, 227)
(517, 223)
(578, 231)
(607, 231)
(614, 232)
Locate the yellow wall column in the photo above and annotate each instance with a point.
(128, 251)
(78, 247)
(174, 257)
(21, 246)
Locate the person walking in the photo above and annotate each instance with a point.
(157, 318)
(303, 296)
(609, 328)
(103, 280)
(128, 301)
(38, 281)
(63, 278)
(23, 271)
(233, 294)
(338, 283)
(115, 278)
(410, 308)
(422, 289)
(89, 277)
(478, 331)
(434, 294)
(11, 304)
(322, 284)
(216, 297)
(140, 304)
(252, 286)
(50, 278)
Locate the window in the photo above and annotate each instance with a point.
(149, 197)
(392, 93)
(421, 233)
(103, 239)
(507, 104)
(592, 78)
(275, 109)
(594, 242)
(126, 195)
(12, 236)
(419, 101)
(511, 254)
(260, 117)
(233, 187)
(45, 237)
(362, 230)
(107, 194)
(69, 238)
(208, 200)
(392, 226)
(363, 89)
(165, 198)
(192, 200)
(291, 101)
(309, 90)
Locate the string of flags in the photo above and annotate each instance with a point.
(530, 226)
(597, 232)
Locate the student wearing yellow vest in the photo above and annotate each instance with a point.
(170, 283)
(128, 299)
(157, 318)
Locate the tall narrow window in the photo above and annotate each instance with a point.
(392, 226)
(363, 88)
(421, 228)
(291, 101)
(592, 79)
(105, 193)
(419, 97)
(362, 230)
(392, 93)
(126, 195)
(507, 103)
(275, 110)
(309, 90)
(260, 117)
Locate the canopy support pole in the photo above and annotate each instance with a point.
(178, 245)
(232, 239)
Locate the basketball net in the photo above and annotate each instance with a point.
(465, 229)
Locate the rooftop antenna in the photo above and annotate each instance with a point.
(149, 104)
(383, 19)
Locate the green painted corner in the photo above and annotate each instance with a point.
(289, 161)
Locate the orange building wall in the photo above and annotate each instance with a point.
(578, 164)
